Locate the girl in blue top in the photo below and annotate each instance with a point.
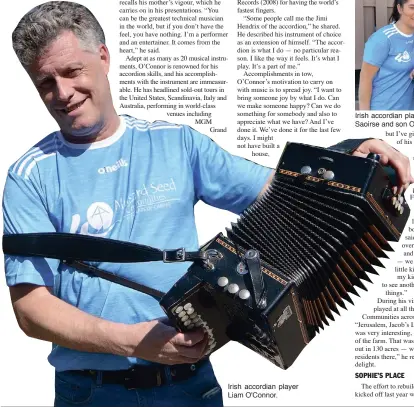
(385, 81)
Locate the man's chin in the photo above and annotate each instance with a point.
(80, 129)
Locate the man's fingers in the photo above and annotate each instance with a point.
(401, 171)
(189, 339)
(385, 160)
(195, 352)
(176, 358)
(389, 156)
(359, 154)
(179, 359)
(401, 164)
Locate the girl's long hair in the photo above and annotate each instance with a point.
(395, 16)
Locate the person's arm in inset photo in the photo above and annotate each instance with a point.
(376, 51)
(366, 78)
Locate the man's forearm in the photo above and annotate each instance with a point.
(44, 316)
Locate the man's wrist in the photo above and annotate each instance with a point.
(118, 338)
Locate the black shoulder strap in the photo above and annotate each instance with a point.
(74, 249)
(68, 246)
(87, 268)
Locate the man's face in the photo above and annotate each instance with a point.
(73, 85)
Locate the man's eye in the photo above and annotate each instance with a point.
(46, 84)
(73, 72)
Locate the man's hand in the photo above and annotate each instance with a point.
(161, 343)
(42, 315)
(391, 157)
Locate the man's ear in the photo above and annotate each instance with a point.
(105, 57)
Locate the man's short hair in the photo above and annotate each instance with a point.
(44, 23)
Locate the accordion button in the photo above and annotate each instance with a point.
(306, 170)
(178, 309)
(193, 315)
(181, 314)
(191, 326)
(190, 311)
(188, 305)
(233, 289)
(328, 175)
(244, 294)
(400, 199)
(222, 281)
(184, 318)
(187, 323)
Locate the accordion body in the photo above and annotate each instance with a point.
(294, 256)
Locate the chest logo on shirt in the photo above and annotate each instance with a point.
(148, 197)
(403, 57)
(101, 217)
(112, 168)
(99, 223)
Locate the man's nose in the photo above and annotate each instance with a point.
(64, 89)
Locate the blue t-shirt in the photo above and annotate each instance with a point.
(140, 185)
(393, 52)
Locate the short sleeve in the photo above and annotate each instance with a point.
(376, 49)
(24, 212)
(221, 179)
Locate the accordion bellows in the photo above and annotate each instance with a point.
(320, 228)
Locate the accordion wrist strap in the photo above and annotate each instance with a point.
(348, 146)
(252, 259)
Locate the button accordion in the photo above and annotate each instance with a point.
(294, 256)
